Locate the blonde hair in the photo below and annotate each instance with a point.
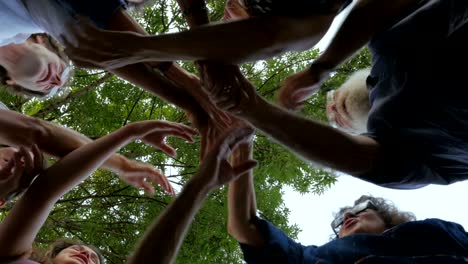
(357, 98)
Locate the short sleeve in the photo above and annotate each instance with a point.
(278, 247)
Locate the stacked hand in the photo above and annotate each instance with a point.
(227, 87)
(301, 86)
(18, 169)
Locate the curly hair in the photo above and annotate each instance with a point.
(57, 247)
(49, 43)
(386, 210)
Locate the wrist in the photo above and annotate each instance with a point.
(199, 185)
(133, 130)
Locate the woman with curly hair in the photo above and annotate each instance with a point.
(372, 230)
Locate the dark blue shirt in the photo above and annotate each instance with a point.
(419, 97)
(98, 11)
(427, 241)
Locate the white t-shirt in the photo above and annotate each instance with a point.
(16, 24)
(49, 16)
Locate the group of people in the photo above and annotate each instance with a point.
(401, 124)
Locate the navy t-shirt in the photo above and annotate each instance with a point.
(427, 241)
(419, 97)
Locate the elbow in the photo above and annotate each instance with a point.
(245, 233)
(238, 230)
(233, 229)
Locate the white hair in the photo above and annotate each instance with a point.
(353, 94)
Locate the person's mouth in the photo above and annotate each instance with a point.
(349, 222)
(81, 258)
(46, 74)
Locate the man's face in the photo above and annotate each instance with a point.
(348, 107)
(35, 68)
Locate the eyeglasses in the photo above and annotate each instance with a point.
(361, 207)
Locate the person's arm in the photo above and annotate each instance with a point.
(18, 230)
(242, 206)
(366, 19)
(235, 42)
(311, 140)
(356, 30)
(162, 240)
(22, 130)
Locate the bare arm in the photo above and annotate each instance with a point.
(311, 140)
(242, 206)
(18, 130)
(314, 141)
(22, 130)
(235, 42)
(19, 229)
(163, 239)
(367, 18)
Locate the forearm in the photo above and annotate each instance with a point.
(21, 130)
(236, 42)
(242, 205)
(83, 161)
(314, 141)
(366, 19)
(153, 81)
(173, 90)
(163, 239)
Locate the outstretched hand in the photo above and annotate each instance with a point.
(20, 168)
(142, 175)
(153, 133)
(92, 47)
(215, 170)
(299, 87)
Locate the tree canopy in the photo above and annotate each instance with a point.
(111, 215)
